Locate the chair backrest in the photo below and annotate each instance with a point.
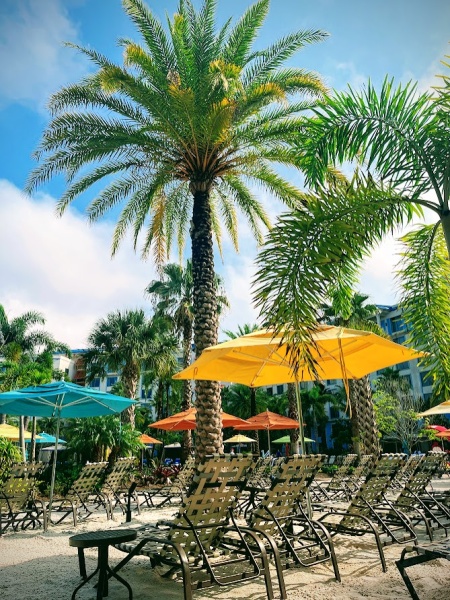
(405, 473)
(187, 472)
(215, 490)
(348, 461)
(377, 482)
(362, 469)
(287, 491)
(119, 474)
(417, 482)
(88, 481)
(17, 489)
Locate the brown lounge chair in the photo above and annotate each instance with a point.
(281, 519)
(364, 515)
(203, 545)
(19, 507)
(421, 554)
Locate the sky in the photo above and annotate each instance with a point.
(62, 266)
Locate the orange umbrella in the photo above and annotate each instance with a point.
(147, 439)
(269, 421)
(186, 420)
(444, 434)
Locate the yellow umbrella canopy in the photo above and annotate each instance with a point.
(12, 433)
(258, 359)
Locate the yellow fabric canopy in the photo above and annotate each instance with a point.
(259, 359)
(12, 433)
(440, 409)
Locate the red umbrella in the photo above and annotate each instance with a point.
(268, 420)
(147, 439)
(436, 427)
(186, 420)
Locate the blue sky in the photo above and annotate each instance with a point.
(62, 267)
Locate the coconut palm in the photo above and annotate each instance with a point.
(400, 140)
(173, 295)
(193, 117)
(125, 342)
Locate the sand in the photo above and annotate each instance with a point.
(38, 566)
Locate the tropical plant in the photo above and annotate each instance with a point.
(126, 342)
(396, 410)
(9, 454)
(315, 416)
(400, 140)
(173, 295)
(197, 115)
(237, 400)
(95, 439)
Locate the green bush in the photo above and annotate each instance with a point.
(9, 454)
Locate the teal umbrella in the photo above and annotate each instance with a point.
(61, 400)
(46, 438)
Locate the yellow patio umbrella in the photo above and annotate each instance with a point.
(13, 433)
(261, 358)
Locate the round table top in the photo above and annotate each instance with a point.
(94, 539)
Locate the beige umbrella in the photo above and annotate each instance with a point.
(440, 409)
(238, 439)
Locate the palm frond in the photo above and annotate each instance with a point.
(424, 277)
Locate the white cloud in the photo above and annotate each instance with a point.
(34, 60)
(62, 267)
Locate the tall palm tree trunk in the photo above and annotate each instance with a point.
(209, 438)
(293, 414)
(364, 429)
(130, 380)
(187, 390)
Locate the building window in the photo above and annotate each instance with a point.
(269, 391)
(398, 324)
(280, 389)
(110, 381)
(95, 383)
(426, 378)
(402, 366)
(401, 339)
(334, 413)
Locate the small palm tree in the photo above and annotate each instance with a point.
(125, 342)
(193, 116)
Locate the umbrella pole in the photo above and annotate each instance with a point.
(268, 439)
(55, 454)
(300, 417)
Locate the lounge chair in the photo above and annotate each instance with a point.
(365, 515)
(157, 496)
(19, 507)
(421, 554)
(195, 545)
(420, 505)
(336, 487)
(84, 495)
(116, 486)
(293, 538)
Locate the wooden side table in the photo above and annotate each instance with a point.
(101, 540)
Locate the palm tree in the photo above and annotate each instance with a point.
(125, 342)
(197, 116)
(174, 295)
(400, 140)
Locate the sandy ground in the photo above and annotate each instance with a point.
(37, 566)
